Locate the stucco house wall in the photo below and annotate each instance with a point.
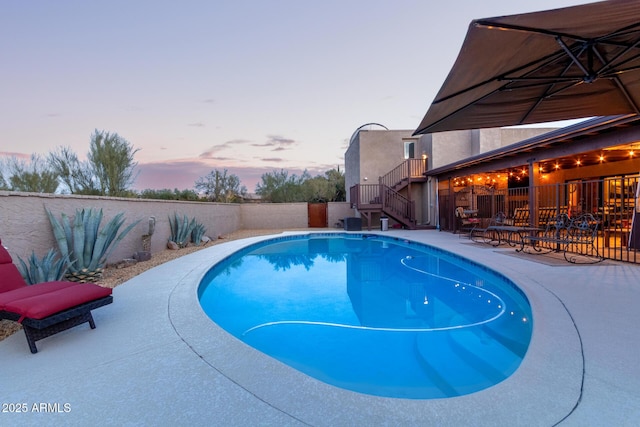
(373, 153)
(352, 164)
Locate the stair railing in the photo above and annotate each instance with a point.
(410, 168)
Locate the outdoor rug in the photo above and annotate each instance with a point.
(552, 259)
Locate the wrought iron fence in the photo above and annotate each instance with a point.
(613, 201)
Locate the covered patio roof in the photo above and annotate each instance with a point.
(611, 136)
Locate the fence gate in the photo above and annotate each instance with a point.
(317, 213)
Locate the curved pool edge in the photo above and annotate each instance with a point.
(545, 388)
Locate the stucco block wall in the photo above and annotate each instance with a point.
(274, 215)
(337, 211)
(24, 225)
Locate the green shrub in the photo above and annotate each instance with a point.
(85, 244)
(197, 233)
(181, 229)
(47, 269)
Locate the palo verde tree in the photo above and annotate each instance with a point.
(221, 187)
(35, 176)
(108, 171)
(77, 177)
(111, 158)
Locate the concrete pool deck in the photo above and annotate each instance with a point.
(156, 359)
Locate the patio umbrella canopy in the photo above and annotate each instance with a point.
(569, 63)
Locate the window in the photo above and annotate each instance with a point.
(409, 149)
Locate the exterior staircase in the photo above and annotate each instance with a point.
(385, 197)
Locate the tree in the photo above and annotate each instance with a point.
(221, 187)
(337, 185)
(111, 159)
(77, 177)
(279, 187)
(327, 188)
(35, 176)
(108, 171)
(166, 194)
(316, 190)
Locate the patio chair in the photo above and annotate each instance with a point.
(47, 308)
(466, 221)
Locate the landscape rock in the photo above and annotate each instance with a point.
(127, 262)
(142, 256)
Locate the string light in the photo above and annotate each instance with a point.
(543, 168)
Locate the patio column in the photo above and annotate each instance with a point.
(533, 210)
(452, 204)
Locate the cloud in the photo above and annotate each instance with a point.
(197, 124)
(277, 143)
(272, 159)
(281, 140)
(209, 101)
(14, 154)
(209, 154)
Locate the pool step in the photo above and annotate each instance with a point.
(464, 361)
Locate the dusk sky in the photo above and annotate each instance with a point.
(248, 86)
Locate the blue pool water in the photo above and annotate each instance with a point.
(372, 314)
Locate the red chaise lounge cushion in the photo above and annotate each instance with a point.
(42, 299)
(44, 309)
(48, 303)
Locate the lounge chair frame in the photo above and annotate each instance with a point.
(37, 329)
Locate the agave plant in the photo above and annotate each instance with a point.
(197, 233)
(86, 245)
(181, 229)
(47, 269)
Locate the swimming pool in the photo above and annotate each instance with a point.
(372, 314)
